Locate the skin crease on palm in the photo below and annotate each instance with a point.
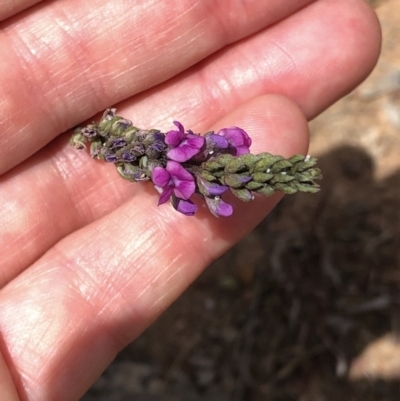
(89, 260)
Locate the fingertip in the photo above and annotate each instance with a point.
(361, 36)
(348, 54)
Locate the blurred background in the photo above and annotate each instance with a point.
(307, 306)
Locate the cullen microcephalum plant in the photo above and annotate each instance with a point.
(182, 164)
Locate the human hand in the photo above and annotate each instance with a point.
(88, 259)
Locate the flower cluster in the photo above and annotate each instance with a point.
(182, 164)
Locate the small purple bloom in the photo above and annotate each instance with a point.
(237, 138)
(187, 207)
(159, 136)
(110, 158)
(183, 146)
(218, 207)
(212, 192)
(118, 143)
(173, 180)
(159, 142)
(214, 145)
(128, 157)
(216, 141)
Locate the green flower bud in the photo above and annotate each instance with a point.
(266, 161)
(281, 177)
(266, 191)
(243, 194)
(262, 177)
(78, 140)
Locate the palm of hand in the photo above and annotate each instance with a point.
(89, 261)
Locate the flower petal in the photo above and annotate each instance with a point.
(216, 141)
(179, 125)
(208, 188)
(128, 157)
(160, 177)
(174, 138)
(118, 143)
(242, 150)
(184, 189)
(111, 158)
(166, 194)
(176, 170)
(180, 154)
(237, 138)
(218, 207)
(186, 207)
(194, 141)
(187, 148)
(181, 180)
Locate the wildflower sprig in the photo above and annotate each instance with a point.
(182, 164)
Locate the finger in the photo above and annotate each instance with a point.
(64, 62)
(11, 7)
(100, 287)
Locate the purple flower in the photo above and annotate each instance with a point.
(216, 141)
(127, 157)
(117, 143)
(212, 192)
(218, 207)
(237, 138)
(159, 142)
(183, 146)
(187, 207)
(215, 145)
(110, 157)
(173, 180)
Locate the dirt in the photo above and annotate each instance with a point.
(306, 307)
